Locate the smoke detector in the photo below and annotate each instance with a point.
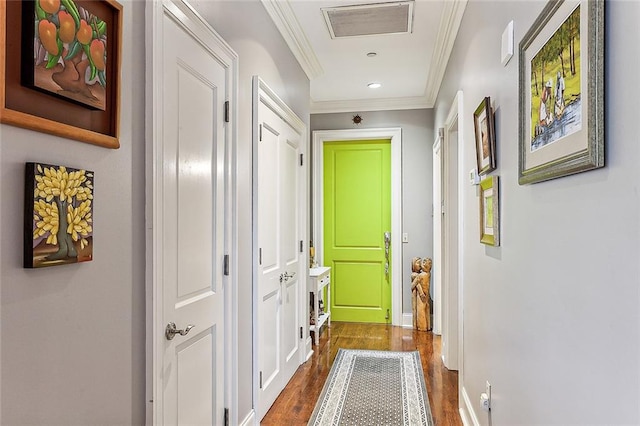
(369, 19)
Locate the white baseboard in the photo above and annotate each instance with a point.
(407, 320)
(467, 413)
(250, 420)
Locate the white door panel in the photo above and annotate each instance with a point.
(279, 204)
(189, 218)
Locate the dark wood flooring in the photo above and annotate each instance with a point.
(295, 404)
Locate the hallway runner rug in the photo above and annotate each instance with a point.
(373, 388)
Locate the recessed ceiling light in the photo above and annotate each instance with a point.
(372, 54)
(374, 85)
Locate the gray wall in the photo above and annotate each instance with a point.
(551, 318)
(417, 172)
(73, 342)
(246, 26)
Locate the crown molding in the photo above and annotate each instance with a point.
(285, 20)
(358, 105)
(447, 31)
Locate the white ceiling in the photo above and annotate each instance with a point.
(409, 66)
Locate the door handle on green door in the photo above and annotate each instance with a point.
(387, 244)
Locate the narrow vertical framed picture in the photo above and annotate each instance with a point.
(490, 211)
(485, 137)
(561, 97)
(58, 220)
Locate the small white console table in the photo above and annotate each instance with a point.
(320, 277)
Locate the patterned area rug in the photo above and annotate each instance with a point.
(373, 388)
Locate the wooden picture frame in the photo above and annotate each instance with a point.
(561, 91)
(485, 137)
(24, 106)
(490, 211)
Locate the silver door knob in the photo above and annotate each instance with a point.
(171, 330)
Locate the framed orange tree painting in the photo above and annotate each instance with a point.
(60, 68)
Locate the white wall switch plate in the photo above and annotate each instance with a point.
(507, 43)
(405, 238)
(474, 178)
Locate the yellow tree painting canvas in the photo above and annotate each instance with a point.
(58, 215)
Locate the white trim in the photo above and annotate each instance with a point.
(287, 23)
(437, 233)
(452, 349)
(384, 104)
(407, 320)
(450, 21)
(250, 419)
(184, 15)
(262, 93)
(395, 134)
(467, 413)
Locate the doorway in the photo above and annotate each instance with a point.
(190, 194)
(357, 224)
(347, 136)
(451, 261)
(280, 191)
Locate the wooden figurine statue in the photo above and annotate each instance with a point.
(420, 282)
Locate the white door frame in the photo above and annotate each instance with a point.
(395, 134)
(263, 93)
(437, 232)
(453, 255)
(183, 14)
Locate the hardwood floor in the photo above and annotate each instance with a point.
(295, 404)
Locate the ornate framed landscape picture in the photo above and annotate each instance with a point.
(60, 68)
(485, 137)
(58, 221)
(561, 91)
(490, 211)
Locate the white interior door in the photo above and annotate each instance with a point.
(281, 275)
(190, 172)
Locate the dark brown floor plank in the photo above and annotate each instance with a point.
(295, 404)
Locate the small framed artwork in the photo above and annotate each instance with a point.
(490, 211)
(561, 91)
(60, 63)
(58, 220)
(485, 137)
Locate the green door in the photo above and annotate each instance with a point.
(357, 213)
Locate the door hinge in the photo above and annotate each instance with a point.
(301, 246)
(261, 380)
(260, 132)
(225, 267)
(226, 111)
(259, 256)
(226, 417)
(301, 159)
(301, 332)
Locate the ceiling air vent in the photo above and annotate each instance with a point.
(369, 19)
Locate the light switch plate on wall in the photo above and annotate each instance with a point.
(507, 43)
